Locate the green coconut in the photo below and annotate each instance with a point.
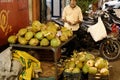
(100, 63)
(71, 64)
(39, 35)
(36, 26)
(29, 35)
(92, 70)
(76, 70)
(79, 65)
(43, 27)
(34, 42)
(55, 42)
(50, 35)
(45, 32)
(68, 70)
(82, 57)
(63, 37)
(12, 39)
(22, 40)
(104, 71)
(90, 63)
(64, 29)
(89, 56)
(22, 31)
(85, 69)
(44, 42)
(69, 33)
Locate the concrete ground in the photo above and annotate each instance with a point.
(117, 11)
(115, 70)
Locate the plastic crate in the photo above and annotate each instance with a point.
(72, 76)
(97, 77)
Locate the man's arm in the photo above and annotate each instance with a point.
(80, 18)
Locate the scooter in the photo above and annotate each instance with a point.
(108, 45)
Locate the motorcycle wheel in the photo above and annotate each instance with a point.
(110, 49)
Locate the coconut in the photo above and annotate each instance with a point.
(64, 29)
(51, 35)
(22, 40)
(29, 35)
(36, 26)
(12, 39)
(89, 56)
(68, 70)
(92, 70)
(85, 69)
(90, 63)
(104, 71)
(43, 27)
(69, 33)
(39, 35)
(44, 42)
(79, 65)
(76, 70)
(82, 57)
(55, 42)
(71, 64)
(63, 37)
(100, 63)
(22, 31)
(33, 42)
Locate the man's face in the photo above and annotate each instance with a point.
(73, 3)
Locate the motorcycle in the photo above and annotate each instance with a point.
(108, 46)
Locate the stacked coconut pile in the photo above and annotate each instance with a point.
(40, 34)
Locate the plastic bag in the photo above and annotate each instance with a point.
(29, 63)
(98, 31)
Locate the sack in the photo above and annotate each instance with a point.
(5, 60)
(98, 31)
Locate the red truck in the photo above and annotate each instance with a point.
(14, 14)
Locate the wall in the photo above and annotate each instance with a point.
(13, 16)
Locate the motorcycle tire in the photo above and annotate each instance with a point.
(110, 49)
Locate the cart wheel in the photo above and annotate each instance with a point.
(110, 49)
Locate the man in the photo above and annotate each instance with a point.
(72, 17)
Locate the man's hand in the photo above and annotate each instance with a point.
(67, 22)
(70, 23)
(76, 22)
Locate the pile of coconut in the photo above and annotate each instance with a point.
(41, 34)
(86, 63)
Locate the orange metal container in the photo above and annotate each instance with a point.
(14, 14)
